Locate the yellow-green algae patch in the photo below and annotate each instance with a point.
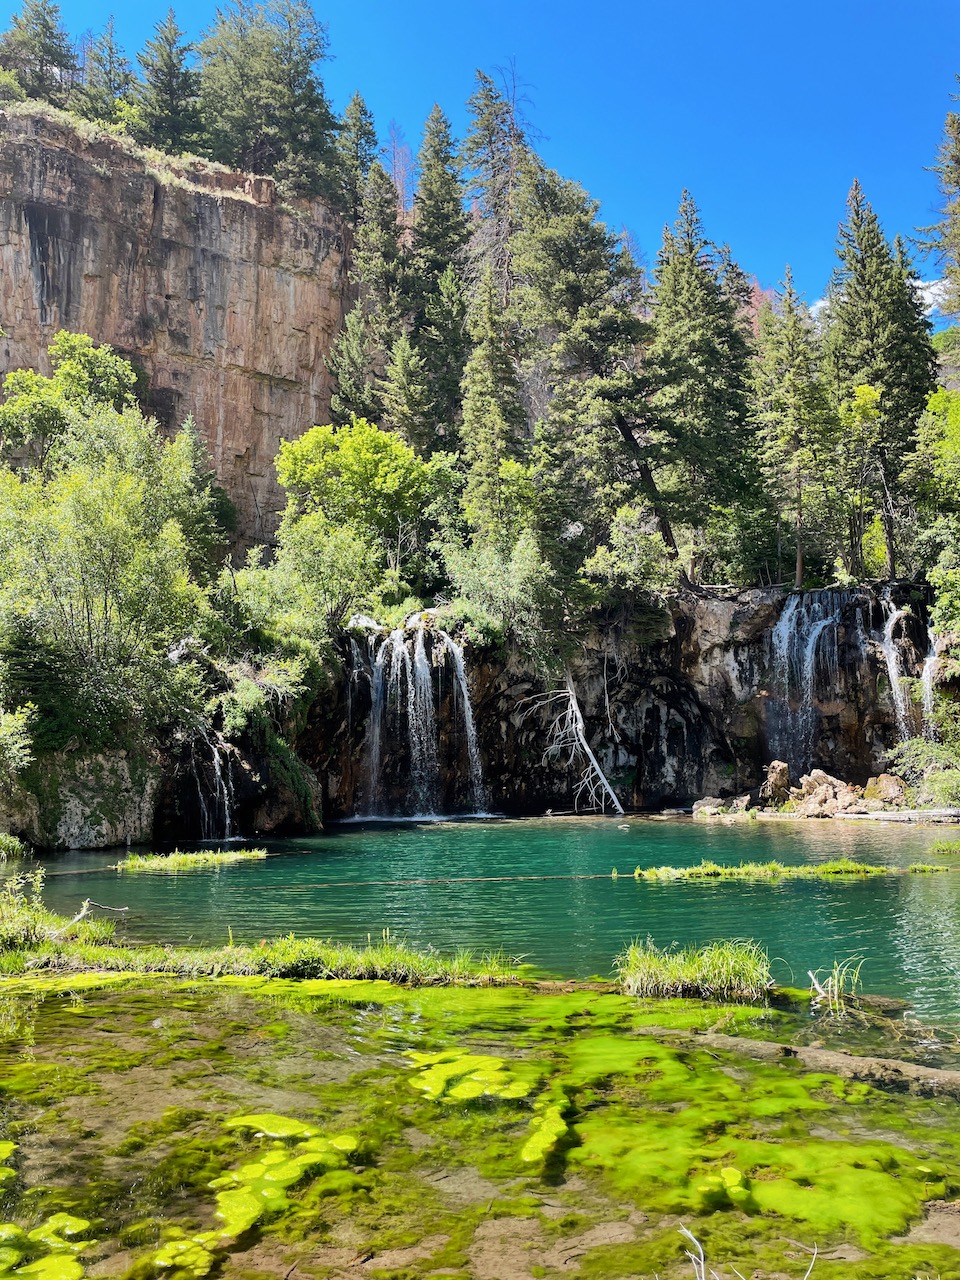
(561, 1111)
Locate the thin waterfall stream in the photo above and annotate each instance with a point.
(826, 641)
(405, 668)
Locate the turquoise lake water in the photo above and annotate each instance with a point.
(453, 884)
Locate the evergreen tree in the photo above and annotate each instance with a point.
(879, 336)
(168, 97)
(352, 364)
(797, 423)
(440, 228)
(262, 100)
(581, 296)
(443, 342)
(495, 150)
(37, 48)
(407, 401)
(701, 357)
(944, 236)
(378, 260)
(493, 423)
(108, 80)
(356, 149)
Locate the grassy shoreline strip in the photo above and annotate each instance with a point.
(290, 957)
(837, 868)
(35, 939)
(176, 861)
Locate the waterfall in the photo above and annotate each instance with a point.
(891, 656)
(422, 726)
(805, 658)
(215, 792)
(478, 794)
(403, 710)
(927, 679)
(804, 653)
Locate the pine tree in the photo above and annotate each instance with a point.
(378, 259)
(797, 423)
(353, 364)
(879, 336)
(944, 236)
(495, 150)
(37, 49)
(443, 342)
(407, 401)
(356, 149)
(493, 421)
(440, 228)
(262, 99)
(108, 80)
(582, 296)
(701, 357)
(168, 97)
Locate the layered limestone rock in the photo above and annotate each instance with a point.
(227, 301)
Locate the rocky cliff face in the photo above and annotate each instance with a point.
(227, 301)
(691, 702)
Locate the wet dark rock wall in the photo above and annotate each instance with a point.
(676, 706)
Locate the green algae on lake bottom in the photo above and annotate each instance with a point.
(249, 1126)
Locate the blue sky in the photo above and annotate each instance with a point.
(765, 111)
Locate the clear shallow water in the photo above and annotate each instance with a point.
(349, 883)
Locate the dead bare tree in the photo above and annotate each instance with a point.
(567, 736)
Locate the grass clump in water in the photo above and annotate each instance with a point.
(945, 846)
(735, 971)
(178, 860)
(707, 870)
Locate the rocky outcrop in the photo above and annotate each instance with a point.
(73, 801)
(228, 301)
(687, 702)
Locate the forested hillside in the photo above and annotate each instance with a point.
(531, 427)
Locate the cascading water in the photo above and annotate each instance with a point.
(818, 628)
(928, 676)
(478, 795)
(215, 793)
(403, 707)
(805, 652)
(891, 656)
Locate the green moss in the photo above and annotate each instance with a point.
(372, 1129)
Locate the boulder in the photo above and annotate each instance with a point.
(710, 807)
(821, 796)
(776, 788)
(888, 789)
(819, 803)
